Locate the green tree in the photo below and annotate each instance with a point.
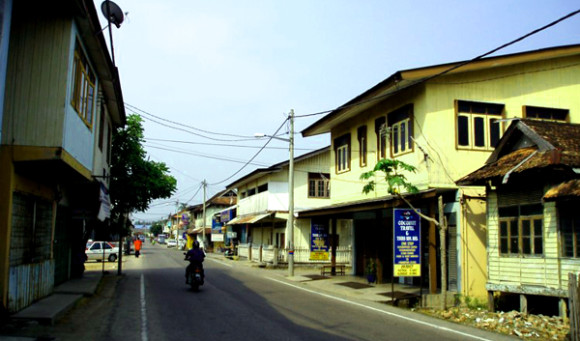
(393, 176)
(135, 181)
(156, 228)
(397, 181)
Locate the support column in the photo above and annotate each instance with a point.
(6, 189)
(490, 302)
(523, 304)
(432, 249)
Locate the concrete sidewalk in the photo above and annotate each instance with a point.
(347, 286)
(49, 309)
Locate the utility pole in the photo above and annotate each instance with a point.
(290, 225)
(204, 183)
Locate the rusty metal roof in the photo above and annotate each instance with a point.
(565, 190)
(548, 144)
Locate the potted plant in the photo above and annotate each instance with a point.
(371, 270)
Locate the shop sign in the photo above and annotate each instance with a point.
(406, 243)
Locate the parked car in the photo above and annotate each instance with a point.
(99, 250)
(171, 243)
(181, 243)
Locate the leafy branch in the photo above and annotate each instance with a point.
(396, 181)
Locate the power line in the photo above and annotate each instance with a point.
(422, 80)
(223, 145)
(255, 155)
(206, 156)
(134, 108)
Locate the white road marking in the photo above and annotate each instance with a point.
(220, 262)
(143, 311)
(379, 310)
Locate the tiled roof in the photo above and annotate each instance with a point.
(557, 144)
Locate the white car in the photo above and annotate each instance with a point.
(181, 243)
(171, 243)
(97, 250)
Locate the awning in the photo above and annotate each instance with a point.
(198, 230)
(249, 219)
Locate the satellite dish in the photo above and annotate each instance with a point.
(112, 12)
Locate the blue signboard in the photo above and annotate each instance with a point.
(407, 243)
(318, 241)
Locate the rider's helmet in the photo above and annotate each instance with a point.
(195, 244)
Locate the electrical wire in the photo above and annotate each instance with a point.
(224, 145)
(196, 134)
(205, 156)
(425, 79)
(255, 155)
(134, 108)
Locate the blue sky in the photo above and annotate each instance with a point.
(238, 67)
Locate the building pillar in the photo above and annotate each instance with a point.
(7, 178)
(432, 249)
(490, 302)
(523, 304)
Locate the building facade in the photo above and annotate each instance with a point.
(533, 195)
(262, 210)
(62, 100)
(445, 120)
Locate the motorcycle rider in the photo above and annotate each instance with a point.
(195, 256)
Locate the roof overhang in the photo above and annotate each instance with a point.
(366, 205)
(407, 79)
(568, 190)
(90, 30)
(249, 219)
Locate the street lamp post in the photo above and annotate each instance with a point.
(291, 199)
(290, 221)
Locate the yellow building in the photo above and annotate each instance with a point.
(262, 209)
(444, 120)
(61, 101)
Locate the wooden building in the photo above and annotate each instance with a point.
(532, 183)
(61, 101)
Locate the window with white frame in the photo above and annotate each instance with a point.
(318, 185)
(83, 92)
(477, 125)
(401, 130)
(342, 153)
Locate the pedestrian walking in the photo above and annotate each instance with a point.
(137, 244)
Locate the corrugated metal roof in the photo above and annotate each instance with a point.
(565, 190)
(555, 144)
(249, 219)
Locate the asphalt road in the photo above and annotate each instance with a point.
(152, 302)
(241, 303)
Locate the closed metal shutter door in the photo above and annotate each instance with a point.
(452, 258)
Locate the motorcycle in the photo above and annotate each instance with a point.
(195, 276)
(229, 253)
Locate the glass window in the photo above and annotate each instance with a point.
(83, 91)
(362, 145)
(400, 126)
(319, 185)
(342, 153)
(547, 114)
(477, 126)
(569, 223)
(463, 130)
(521, 230)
